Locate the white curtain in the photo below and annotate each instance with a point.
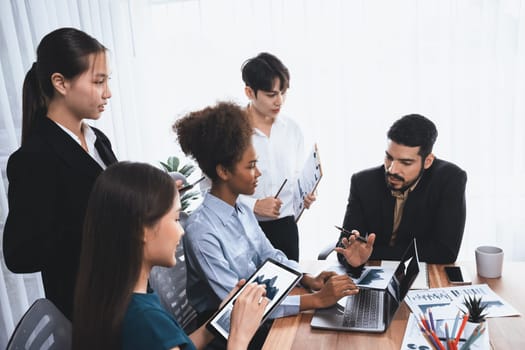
(22, 25)
(356, 66)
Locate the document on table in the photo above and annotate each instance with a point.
(414, 338)
(445, 302)
(377, 277)
(374, 277)
(307, 181)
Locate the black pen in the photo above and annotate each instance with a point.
(359, 238)
(187, 187)
(281, 188)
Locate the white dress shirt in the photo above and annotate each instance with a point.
(280, 156)
(91, 138)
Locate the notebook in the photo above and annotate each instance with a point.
(372, 310)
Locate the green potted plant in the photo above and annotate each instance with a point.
(475, 309)
(178, 171)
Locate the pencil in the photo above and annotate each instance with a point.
(359, 238)
(429, 338)
(438, 342)
(280, 188)
(480, 333)
(188, 187)
(431, 319)
(455, 327)
(425, 322)
(461, 328)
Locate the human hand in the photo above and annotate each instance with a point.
(355, 252)
(238, 286)
(309, 199)
(318, 282)
(246, 315)
(335, 288)
(179, 184)
(269, 207)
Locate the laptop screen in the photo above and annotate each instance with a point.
(372, 309)
(401, 280)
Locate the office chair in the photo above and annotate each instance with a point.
(327, 250)
(43, 326)
(170, 285)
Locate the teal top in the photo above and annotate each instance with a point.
(147, 325)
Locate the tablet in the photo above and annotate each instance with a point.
(279, 280)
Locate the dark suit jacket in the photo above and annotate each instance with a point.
(50, 179)
(434, 213)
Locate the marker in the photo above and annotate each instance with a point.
(358, 238)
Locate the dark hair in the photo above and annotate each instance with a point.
(126, 198)
(260, 72)
(215, 135)
(414, 130)
(65, 51)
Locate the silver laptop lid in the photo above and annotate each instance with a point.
(401, 281)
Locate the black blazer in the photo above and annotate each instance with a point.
(434, 213)
(50, 179)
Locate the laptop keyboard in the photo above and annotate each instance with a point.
(362, 310)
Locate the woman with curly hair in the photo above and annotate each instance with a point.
(224, 242)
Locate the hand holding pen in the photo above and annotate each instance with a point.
(356, 254)
(269, 207)
(353, 233)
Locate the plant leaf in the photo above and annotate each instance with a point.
(165, 166)
(173, 162)
(187, 169)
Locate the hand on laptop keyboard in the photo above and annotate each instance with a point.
(335, 288)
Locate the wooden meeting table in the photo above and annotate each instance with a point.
(294, 332)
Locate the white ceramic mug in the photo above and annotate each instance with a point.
(489, 261)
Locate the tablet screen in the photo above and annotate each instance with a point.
(279, 280)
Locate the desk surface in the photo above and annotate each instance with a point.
(294, 332)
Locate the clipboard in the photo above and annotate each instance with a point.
(307, 181)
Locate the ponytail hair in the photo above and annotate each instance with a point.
(33, 101)
(65, 51)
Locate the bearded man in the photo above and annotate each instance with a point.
(412, 195)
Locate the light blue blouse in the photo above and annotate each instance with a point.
(222, 245)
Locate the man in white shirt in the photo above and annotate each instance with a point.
(279, 144)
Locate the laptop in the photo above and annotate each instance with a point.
(372, 310)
